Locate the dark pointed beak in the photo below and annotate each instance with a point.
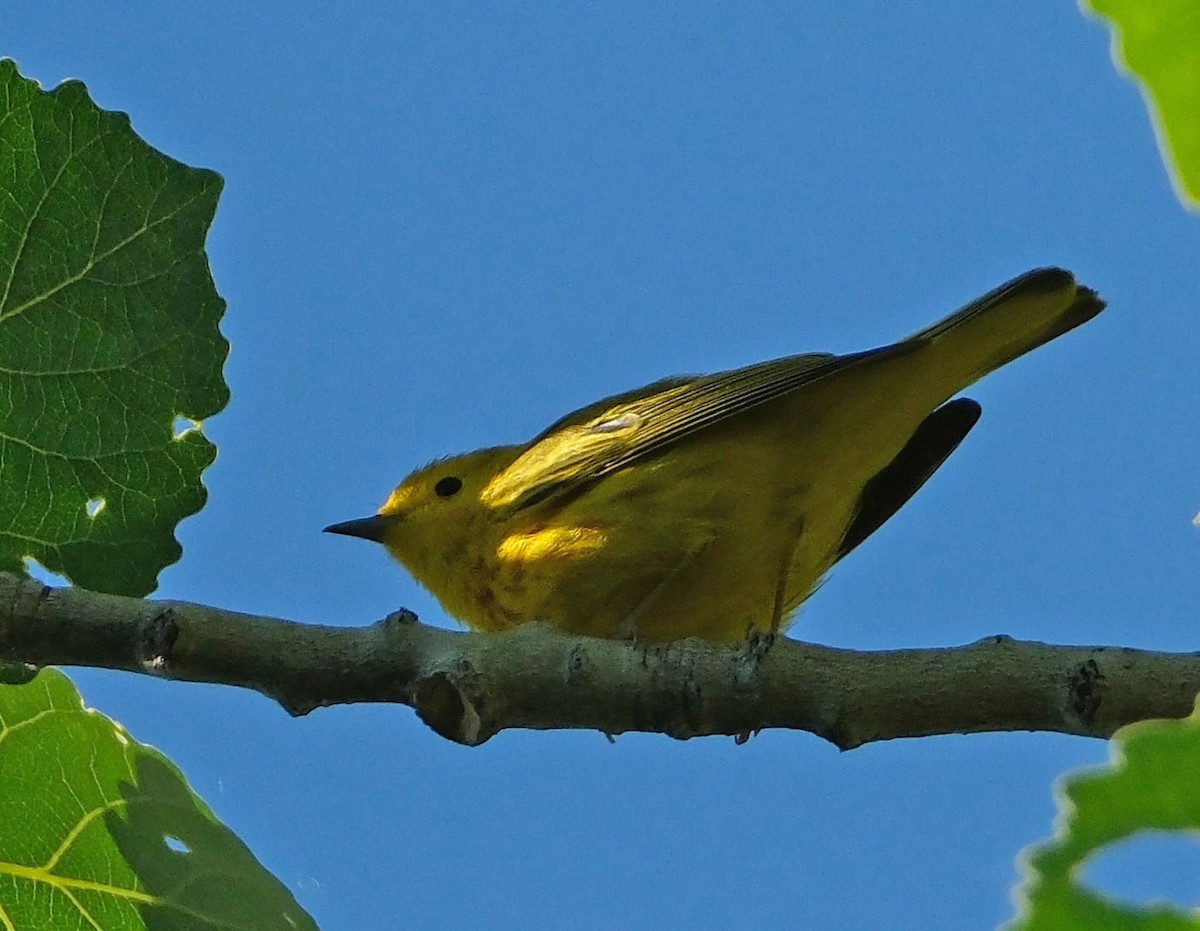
(369, 528)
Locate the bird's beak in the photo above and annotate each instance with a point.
(369, 528)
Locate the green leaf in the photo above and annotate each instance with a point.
(1151, 785)
(1159, 44)
(108, 335)
(99, 831)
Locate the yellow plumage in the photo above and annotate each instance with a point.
(708, 506)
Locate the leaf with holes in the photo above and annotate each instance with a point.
(99, 831)
(108, 338)
(1151, 785)
(1159, 44)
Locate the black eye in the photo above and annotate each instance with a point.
(448, 487)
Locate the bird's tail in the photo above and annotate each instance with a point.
(1005, 323)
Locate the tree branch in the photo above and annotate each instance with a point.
(468, 687)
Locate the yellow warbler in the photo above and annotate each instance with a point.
(708, 506)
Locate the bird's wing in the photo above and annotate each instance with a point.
(613, 434)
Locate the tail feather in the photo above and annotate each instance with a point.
(1008, 322)
(934, 440)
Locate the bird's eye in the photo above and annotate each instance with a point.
(448, 487)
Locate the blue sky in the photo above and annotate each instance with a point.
(445, 226)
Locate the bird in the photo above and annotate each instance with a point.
(708, 506)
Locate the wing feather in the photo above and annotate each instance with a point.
(603, 437)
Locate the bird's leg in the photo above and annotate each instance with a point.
(785, 571)
(627, 628)
(758, 642)
(754, 650)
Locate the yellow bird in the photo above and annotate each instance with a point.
(708, 506)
